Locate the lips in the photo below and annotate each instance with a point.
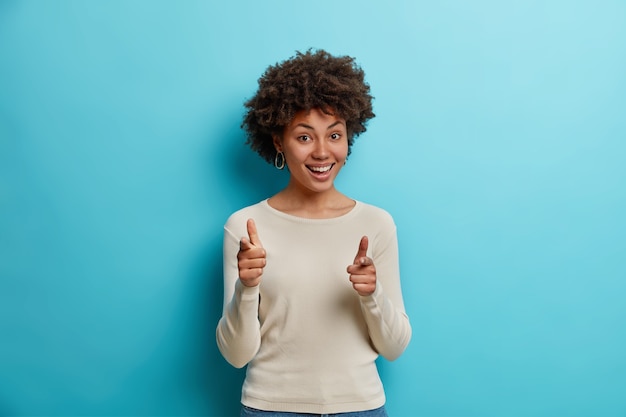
(320, 169)
(321, 172)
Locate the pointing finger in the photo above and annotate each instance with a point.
(366, 261)
(253, 234)
(362, 252)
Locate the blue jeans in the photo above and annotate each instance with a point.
(253, 412)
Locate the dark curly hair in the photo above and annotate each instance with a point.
(307, 81)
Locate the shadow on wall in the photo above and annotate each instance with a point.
(252, 179)
(220, 383)
(249, 180)
(4, 410)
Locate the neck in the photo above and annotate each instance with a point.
(304, 203)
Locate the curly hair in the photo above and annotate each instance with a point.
(309, 80)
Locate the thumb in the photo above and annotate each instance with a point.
(362, 252)
(253, 235)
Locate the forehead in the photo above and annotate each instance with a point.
(316, 118)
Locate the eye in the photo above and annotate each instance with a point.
(304, 138)
(335, 136)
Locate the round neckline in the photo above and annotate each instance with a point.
(298, 219)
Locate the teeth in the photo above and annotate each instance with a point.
(321, 169)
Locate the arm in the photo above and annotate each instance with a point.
(377, 280)
(238, 331)
(388, 326)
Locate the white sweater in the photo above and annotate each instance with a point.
(310, 341)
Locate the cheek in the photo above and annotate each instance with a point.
(294, 155)
(342, 152)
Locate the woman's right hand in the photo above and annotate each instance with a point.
(251, 257)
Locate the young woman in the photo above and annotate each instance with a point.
(311, 278)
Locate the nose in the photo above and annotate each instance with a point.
(321, 150)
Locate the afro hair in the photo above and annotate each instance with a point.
(310, 80)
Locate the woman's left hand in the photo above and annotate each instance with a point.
(362, 271)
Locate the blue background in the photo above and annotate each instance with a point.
(499, 147)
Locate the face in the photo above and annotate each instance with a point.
(315, 145)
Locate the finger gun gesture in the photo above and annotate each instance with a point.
(362, 271)
(251, 257)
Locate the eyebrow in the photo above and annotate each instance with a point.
(306, 126)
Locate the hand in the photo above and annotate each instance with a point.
(362, 271)
(251, 257)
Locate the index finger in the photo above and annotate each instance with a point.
(362, 252)
(253, 235)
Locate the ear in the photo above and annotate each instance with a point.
(278, 142)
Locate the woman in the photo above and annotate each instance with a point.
(311, 278)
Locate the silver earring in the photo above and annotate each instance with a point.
(279, 160)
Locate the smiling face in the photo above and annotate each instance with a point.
(315, 145)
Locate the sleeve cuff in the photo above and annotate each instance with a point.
(247, 293)
(374, 299)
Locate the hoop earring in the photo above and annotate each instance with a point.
(279, 160)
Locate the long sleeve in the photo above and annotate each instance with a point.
(388, 327)
(387, 323)
(238, 331)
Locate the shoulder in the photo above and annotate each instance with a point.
(238, 219)
(378, 224)
(375, 214)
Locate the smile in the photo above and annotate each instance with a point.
(323, 169)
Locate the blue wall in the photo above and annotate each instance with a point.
(499, 148)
